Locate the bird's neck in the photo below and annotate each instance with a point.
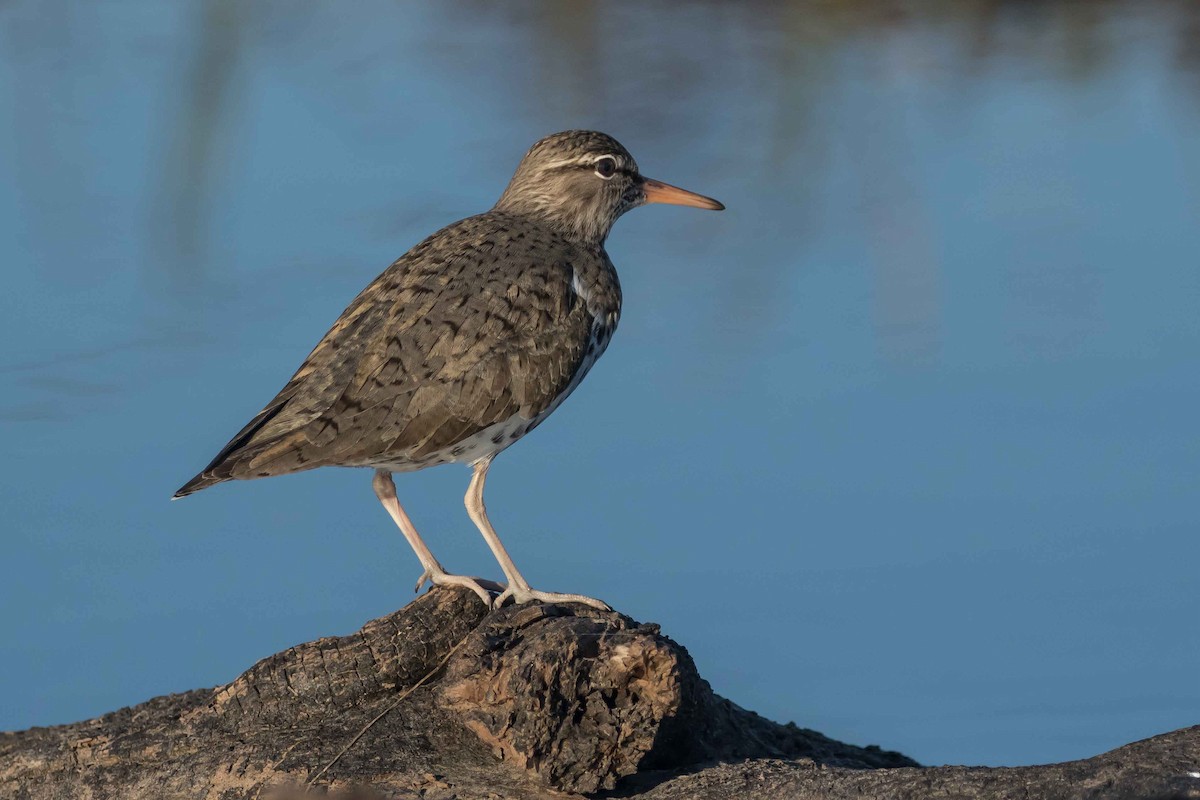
(571, 219)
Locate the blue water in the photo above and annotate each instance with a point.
(903, 446)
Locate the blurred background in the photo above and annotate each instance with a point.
(902, 446)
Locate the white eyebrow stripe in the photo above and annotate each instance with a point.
(568, 162)
(584, 161)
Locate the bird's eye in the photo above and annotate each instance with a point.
(606, 167)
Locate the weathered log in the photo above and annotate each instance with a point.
(443, 699)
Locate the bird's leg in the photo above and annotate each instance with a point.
(385, 490)
(518, 588)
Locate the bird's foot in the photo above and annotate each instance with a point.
(480, 586)
(525, 595)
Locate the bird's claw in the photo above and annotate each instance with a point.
(485, 589)
(526, 595)
(480, 586)
(426, 575)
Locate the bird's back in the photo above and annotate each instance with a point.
(478, 331)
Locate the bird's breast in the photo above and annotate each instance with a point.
(594, 282)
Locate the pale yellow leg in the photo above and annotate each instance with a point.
(385, 490)
(518, 588)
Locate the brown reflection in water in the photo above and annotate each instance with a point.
(180, 223)
(570, 59)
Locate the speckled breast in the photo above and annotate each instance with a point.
(596, 288)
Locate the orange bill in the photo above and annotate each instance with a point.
(659, 192)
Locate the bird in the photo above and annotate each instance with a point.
(463, 345)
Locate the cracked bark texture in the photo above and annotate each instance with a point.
(534, 701)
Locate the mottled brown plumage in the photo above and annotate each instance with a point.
(475, 325)
(467, 341)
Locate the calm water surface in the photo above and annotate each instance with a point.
(902, 446)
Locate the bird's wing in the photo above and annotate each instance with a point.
(452, 338)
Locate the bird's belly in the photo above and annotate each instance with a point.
(487, 442)
(490, 440)
(476, 447)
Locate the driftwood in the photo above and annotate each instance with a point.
(445, 700)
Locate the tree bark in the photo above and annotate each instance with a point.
(443, 699)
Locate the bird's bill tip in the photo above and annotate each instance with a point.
(659, 192)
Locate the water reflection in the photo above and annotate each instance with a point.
(193, 154)
(937, 358)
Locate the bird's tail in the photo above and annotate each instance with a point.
(222, 466)
(201, 481)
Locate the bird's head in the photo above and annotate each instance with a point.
(580, 182)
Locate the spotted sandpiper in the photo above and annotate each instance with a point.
(463, 345)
